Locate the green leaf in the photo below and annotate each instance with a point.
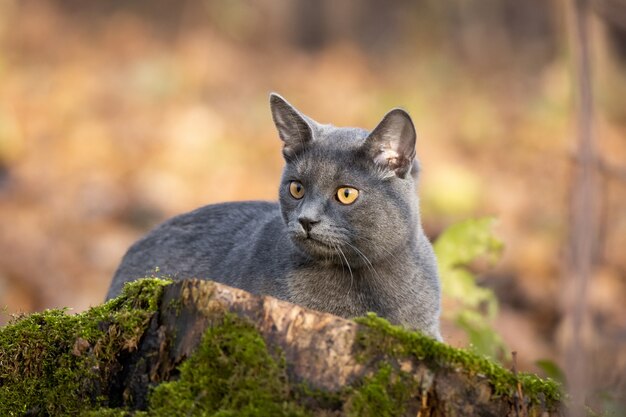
(483, 338)
(463, 242)
(475, 306)
(551, 369)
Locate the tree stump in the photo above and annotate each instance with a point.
(309, 363)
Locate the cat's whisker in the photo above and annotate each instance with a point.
(349, 269)
(336, 252)
(339, 238)
(368, 263)
(391, 254)
(385, 259)
(340, 260)
(331, 256)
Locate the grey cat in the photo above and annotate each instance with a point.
(345, 237)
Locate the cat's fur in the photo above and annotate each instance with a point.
(371, 255)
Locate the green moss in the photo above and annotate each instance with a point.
(114, 412)
(316, 399)
(52, 363)
(231, 374)
(384, 394)
(379, 335)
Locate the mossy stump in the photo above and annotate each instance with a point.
(198, 348)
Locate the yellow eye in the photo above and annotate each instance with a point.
(347, 195)
(296, 190)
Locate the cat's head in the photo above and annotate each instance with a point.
(346, 194)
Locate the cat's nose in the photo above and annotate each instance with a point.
(307, 223)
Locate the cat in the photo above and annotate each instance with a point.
(344, 238)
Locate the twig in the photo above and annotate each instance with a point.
(516, 396)
(519, 395)
(424, 405)
(584, 209)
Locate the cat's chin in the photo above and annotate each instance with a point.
(314, 248)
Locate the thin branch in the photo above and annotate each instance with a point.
(585, 198)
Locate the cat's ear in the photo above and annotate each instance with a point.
(293, 128)
(392, 143)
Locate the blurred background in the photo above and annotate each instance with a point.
(116, 115)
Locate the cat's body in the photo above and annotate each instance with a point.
(345, 237)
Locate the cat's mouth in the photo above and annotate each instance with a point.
(314, 244)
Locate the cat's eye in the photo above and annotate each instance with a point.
(347, 195)
(296, 190)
